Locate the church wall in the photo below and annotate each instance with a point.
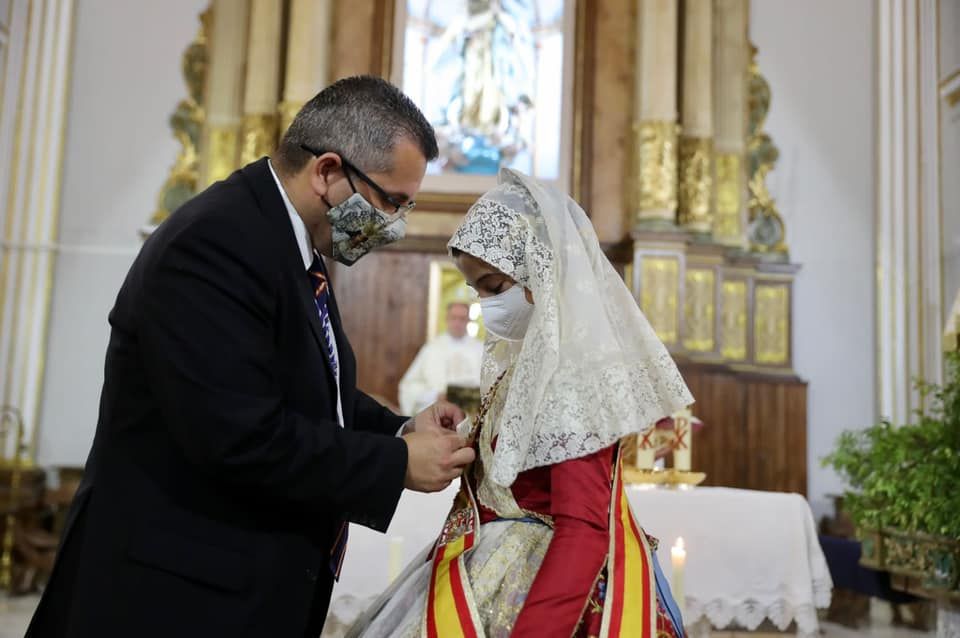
(125, 81)
(819, 57)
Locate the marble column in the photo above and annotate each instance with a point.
(262, 86)
(654, 172)
(224, 95)
(308, 55)
(730, 59)
(39, 54)
(696, 140)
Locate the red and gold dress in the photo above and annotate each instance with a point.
(568, 592)
(558, 553)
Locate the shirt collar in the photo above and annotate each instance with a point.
(299, 228)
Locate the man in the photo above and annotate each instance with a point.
(451, 358)
(233, 445)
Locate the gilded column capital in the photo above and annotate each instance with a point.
(223, 148)
(287, 110)
(696, 184)
(259, 136)
(654, 189)
(727, 225)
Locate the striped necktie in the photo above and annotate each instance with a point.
(321, 295)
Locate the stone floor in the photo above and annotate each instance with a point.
(15, 615)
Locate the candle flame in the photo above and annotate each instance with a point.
(679, 544)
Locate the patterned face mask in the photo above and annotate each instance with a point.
(359, 227)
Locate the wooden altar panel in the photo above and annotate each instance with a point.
(756, 425)
(756, 429)
(718, 449)
(383, 301)
(776, 427)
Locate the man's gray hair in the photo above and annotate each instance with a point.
(360, 118)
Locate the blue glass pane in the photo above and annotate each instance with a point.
(488, 75)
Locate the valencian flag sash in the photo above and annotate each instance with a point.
(630, 600)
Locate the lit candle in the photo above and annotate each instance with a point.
(395, 559)
(678, 557)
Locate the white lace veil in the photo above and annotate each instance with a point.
(590, 370)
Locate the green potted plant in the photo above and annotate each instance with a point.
(904, 487)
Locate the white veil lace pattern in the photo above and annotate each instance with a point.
(590, 370)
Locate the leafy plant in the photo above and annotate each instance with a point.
(907, 476)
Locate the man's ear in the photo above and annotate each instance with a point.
(324, 171)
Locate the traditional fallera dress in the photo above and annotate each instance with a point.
(541, 540)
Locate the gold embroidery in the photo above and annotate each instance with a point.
(502, 579)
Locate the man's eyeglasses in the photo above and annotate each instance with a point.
(398, 205)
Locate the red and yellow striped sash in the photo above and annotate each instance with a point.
(451, 612)
(630, 604)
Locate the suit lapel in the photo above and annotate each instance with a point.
(258, 177)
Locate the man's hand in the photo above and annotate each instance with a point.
(442, 415)
(434, 458)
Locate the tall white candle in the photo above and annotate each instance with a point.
(678, 557)
(395, 559)
(646, 449)
(683, 447)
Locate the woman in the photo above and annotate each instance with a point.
(540, 540)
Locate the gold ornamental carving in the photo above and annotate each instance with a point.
(727, 226)
(733, 320)
(771, 330)
(287, 111)
(259, 136)
(767, 232)
(698, 310)
(223, 153)
(659, 283)
(14, 458)
(696, 183)
(655, 159)
(187, 124)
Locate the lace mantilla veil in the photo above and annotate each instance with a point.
(590, 370)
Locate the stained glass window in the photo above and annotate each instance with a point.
(489, 74)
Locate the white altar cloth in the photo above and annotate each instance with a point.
(751, 555)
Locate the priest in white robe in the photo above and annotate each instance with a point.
(452, 358)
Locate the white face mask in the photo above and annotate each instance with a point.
(507, 315)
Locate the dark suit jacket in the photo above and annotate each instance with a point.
(219, 474)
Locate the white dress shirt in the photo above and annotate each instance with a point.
(307, 252)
